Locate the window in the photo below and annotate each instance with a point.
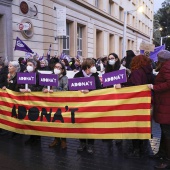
(111, 7)
(96, 3)
(66, 41)
(121, 13)
(79, 39)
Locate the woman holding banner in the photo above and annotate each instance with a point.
(60, 70)
(113, 64)
(161, 113)
(10, 82)
(88, 69)
(32, 68)
(141, 73)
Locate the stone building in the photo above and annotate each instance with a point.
(94, 28)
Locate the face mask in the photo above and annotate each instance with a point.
(30, 69)
(111, 62)
(57, 71)
(93, 69)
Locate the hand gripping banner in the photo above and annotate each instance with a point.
(101, 114)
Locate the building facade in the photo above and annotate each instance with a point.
(94, 28)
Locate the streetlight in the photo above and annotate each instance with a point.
(140, 9)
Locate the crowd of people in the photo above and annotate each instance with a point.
(139, 71)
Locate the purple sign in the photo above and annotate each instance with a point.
(26, 78)
(83, 83)
(115, 77)
(48, 79)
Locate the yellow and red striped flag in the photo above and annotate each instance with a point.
(101, 114)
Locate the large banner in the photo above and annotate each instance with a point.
(101, 114)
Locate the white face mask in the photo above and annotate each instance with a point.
(57, 71)
(112, 62)
(30, 69)
(93, 69)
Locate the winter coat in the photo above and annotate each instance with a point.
(140, 76)
(162, 94)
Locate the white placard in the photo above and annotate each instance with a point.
(61, 21)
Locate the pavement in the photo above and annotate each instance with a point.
(15, 155)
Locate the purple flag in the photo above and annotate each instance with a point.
(115, 77)
(21, 46)
(153, 55)
(83, 83)
(48, 79)
(26, 78)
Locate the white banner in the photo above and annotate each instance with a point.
(61, 21)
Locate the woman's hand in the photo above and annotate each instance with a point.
(25, 90)
(85, 91)
(4, 88)
(117, 86)
(46, 91)
(150, 86)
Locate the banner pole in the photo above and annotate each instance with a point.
(26, 86)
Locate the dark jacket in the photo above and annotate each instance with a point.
(141, 76)
(95, 75)
(12, 84)
(162, 95)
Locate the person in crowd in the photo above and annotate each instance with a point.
(113, 64)
(11, 79)
(52, 62)
(32, 68)
(60, 70)
(22, 64)
(44, 65)
(67, 66)
(104, 61)
(88, 69)
(141, 73)
(129, 56)
(161, 109)
(77, 64)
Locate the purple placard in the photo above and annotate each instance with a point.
(115, 77)
(48, 79)
(83, 83)
(26, 78)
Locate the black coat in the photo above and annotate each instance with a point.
(95, 75)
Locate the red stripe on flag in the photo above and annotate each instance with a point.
(79, 99)
(78, 130)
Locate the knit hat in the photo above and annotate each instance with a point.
(163, 55)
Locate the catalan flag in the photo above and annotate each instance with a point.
(101, 114)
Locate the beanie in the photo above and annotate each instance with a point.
(163, 55)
